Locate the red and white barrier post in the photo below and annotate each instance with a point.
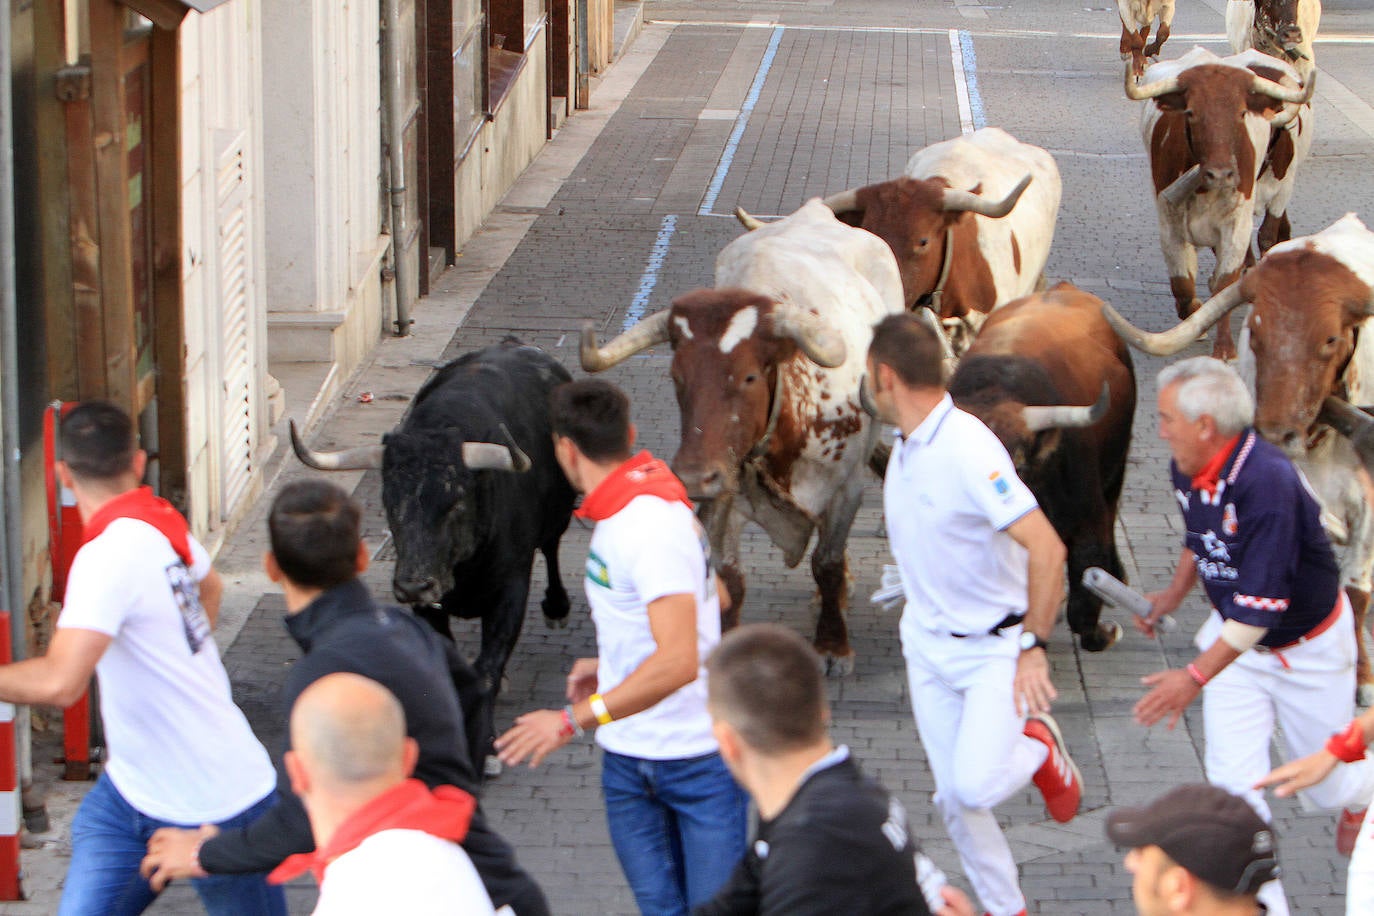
(10, 888)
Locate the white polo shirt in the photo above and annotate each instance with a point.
(950, 493)
(648, 550)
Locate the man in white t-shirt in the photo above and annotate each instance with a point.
(140, 606)
(983, 575)
(677, 819)
(383, 842)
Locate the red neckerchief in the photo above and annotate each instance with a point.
(443, 812)
(1207, 478)
(640, 475)
(141, 504)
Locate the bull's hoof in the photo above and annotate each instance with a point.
(837, 665)
(1364, 696)
(1102, 638)
(556, 623)
(491, 766)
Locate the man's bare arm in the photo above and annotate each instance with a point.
(60, 677)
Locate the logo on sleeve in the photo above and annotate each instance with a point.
(999, 483)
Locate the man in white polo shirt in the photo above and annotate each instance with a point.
(983, 575)
(677, 819)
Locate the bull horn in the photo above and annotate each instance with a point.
(1351, 422)
(1183, 186)
(843, 202)
(647, 333)
(866, 398)
(1063, 417)
(1138, 93)
(966, 200)
(1299, 95)
(490, 456)
(1167, 343)
(362, 458)
(822, 344)
(748, 222)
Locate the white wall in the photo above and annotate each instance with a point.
(322, 102)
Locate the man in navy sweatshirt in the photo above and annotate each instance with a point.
(317, 555)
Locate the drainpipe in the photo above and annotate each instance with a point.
(584, 85)
(11, 534)
(393, 126)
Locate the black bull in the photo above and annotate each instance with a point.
(471, 490)
(1049, 349)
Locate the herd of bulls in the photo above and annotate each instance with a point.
(768, 363)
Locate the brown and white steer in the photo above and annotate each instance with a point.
(1309, 338)
(767, 368)
(1285, 29)
(1056, 348)
(1209, 135)
(970, 223)
(1136, 18)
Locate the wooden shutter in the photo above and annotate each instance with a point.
(235, 303)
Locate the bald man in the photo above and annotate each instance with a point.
(383, 841)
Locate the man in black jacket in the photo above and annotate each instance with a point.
(829, 839)
(316, 557)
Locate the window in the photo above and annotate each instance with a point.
(468, 105)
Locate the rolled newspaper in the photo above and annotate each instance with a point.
(1118, 594)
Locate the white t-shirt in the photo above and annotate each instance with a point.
(950, 493)
(648, 550)
(178, 748)
(406, 872)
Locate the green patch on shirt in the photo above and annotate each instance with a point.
(597, 571)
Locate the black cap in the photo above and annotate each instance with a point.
(1213, 834)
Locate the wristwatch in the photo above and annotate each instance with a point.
(1030, 641)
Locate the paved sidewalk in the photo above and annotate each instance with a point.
(606, 225)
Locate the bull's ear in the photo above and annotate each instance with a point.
(853, 218)
(1263, 105)
(1045, 444)
(1172, 101)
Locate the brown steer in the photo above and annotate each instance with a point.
(1309, 340)
(1208, 132)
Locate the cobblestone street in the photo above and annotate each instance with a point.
(762, 105)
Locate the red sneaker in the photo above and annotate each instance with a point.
(1348, 824)
(1058, 778)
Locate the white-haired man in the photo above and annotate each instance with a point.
(1279, 643)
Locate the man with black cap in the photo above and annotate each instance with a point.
(1198, 850)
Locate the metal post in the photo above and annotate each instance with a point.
(11, 762)
(393, 121)
(584, 80)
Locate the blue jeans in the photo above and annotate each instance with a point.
(109, 840)
(678, 827)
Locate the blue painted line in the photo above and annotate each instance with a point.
(741, 122)
(649, 279)
(975, 97)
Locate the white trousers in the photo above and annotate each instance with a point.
(961, 694)
(1309, 692)
(1359, 883)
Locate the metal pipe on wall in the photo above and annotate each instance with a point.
(11, 536)
(394, 125)
(11, 532)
